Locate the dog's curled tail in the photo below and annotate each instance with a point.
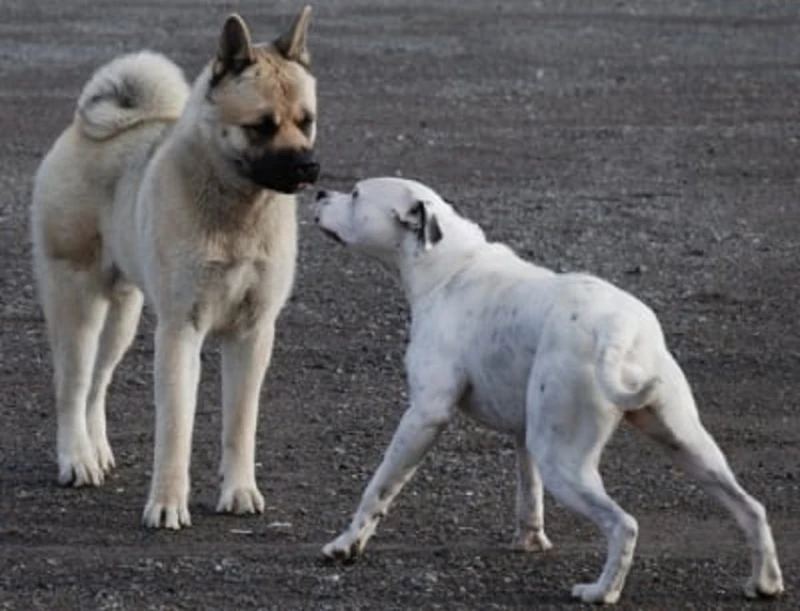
(129, 90)
(612, 358)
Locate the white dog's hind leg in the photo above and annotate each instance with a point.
(418, 430)
(177, 373)
(675, 424)
(125, 307)
(580, 488)
(529, 535)
(75, 309)
(567, 431)
(244, 363)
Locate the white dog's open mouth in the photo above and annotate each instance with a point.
(332, 234)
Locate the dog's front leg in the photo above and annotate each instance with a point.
(177, 372)
(529, 535)
(245, 359)
(418, 430)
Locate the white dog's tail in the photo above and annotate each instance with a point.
(612, 359)
(129, 90)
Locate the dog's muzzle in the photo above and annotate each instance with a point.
(320, 198)
(333, 235)
(284, 170)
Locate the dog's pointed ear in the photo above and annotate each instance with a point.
(419, 219)
(235, 50)
(292, 43)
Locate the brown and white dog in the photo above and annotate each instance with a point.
(184, 196)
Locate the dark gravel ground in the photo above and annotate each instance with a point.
(652, 142)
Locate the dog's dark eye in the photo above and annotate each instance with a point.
(306, 123)
(355, 194)
(265, 128)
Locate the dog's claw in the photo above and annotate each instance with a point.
(530, 541)
(595, 593)
(241, 500)
(343, 548)
(105, 457)
(167, 511)
(80, 467)
(768, 586)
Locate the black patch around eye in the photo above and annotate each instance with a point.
(265, 128)
(306, 123)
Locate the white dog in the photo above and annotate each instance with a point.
(555, 360)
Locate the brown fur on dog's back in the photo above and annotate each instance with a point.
(121, 111)
(77, 180)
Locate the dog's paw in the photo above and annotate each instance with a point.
(530, 541)
(105, 457)
(344, 547)
(167, 511)
(595, 593)
(79, 466)
(240, 500)
(767, 584)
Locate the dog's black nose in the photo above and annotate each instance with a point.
(322, 194)
(307, 171)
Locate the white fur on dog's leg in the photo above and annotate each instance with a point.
(346, 546)
(177, 372)
(241, 499)
(530, 541)
(119, 329)
(105, 456)
(419, 427)
(244, 363)
(167, 512)
(168, 503)
(677, 427)
(77, 461)
(595, 593)
(768, 582)
(96, 423)
(529, 535)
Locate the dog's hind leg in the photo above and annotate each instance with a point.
(75, 309)
(125, 306)
(567, 431)
(675, 424)
(529, 535)
(245, 360)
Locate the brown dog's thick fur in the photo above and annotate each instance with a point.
(183, 196)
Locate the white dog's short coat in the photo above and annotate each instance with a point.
(555, 360)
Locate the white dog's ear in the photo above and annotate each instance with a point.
(419, 219)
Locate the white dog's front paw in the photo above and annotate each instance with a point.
(242, 499)
(78, 464)
(346, 546)
(529, 540)
(167, 509)
(767, 584)
(595, 593)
